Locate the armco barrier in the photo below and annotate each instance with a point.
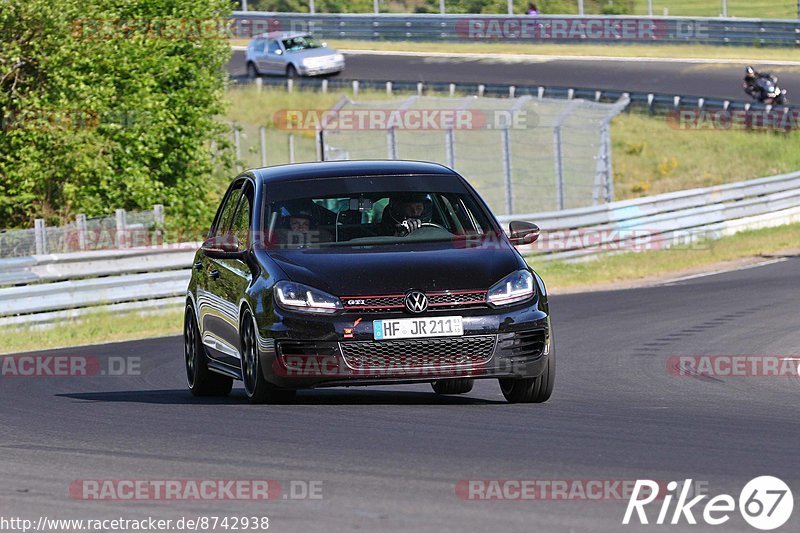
(51, 288)
(525, 29)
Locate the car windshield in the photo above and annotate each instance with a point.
(303, 42)
(368, 217)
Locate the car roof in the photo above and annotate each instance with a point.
(346, 169)
(281, 35)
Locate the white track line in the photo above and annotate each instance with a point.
(722, 271)
(541, 57)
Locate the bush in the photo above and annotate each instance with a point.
(98, 116)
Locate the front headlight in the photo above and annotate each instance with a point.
(305, 299)
(338, 58)
(515, 287)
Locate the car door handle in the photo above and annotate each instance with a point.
(198, 265)
(214, 274)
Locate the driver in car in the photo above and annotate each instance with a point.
(406, 213)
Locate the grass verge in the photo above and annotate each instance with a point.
(633, 266)
(91, 329)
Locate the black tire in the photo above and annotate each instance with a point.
(258, 389)
(291, 72)
(531, 390)
(453, 386)
(201, 380)
(252, 71)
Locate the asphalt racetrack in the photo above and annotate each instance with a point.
(717, 80)
(392, 457)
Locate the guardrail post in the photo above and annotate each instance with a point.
(259, 85)
(262, 134)
(158, 214)
(452, 89)
(80, 226)
(512, 91)
(324, 86)
(559, 164)
(481, 89)
(507, 171)
(319, 144)
(355, 87)
(391, 143)
(237, 146)
(449, 139)
(122, 224)
(312, 8)
(441, 7)
(289, 84)
(158, 217)
(389, 88)
(40, 234)
(540, 92)
(419, 88)
(291, 148)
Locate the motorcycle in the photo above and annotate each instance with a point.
(766, 91)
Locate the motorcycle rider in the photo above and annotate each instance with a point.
(751, 76)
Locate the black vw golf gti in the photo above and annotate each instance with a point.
(364, 273)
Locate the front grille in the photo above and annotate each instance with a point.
(418, 353)
(522, 344)
(439, 300)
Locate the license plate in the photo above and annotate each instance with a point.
(411, 328)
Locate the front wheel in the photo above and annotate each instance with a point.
(531, 390)
(252, 71)
(201, 380)
(291, 72)
(258, 389)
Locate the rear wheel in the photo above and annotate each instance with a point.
(453, 386)
(531, 390)
(258, 389)
(201, 380)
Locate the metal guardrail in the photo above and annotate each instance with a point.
(157, 278)
(526, 29)
(654, 103)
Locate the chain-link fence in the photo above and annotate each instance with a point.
(126, 229)
(523, 154)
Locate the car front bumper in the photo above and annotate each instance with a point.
(320, 70)
(329, 351)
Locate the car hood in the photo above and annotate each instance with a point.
(312, 52)
(357, 271)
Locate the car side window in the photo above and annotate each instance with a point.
(274, 46)
(227, 210)
(259, 45)
(241, 220)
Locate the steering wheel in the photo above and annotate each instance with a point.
(433, 225)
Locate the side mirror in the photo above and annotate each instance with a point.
(278, 52)
(223, 247)
(523, 233)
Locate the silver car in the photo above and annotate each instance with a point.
(291, 54)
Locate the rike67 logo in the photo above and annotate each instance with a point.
(765, 503)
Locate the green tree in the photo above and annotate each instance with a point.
(108, 104)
